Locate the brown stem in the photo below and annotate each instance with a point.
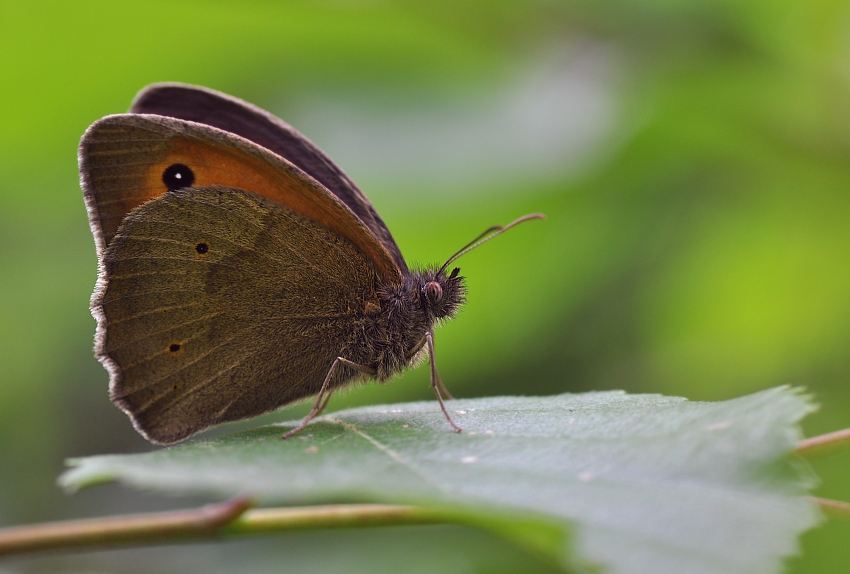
(833, 508)
(230, 518)
(824, 444)
(121, 530)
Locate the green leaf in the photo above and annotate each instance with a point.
(647, 483)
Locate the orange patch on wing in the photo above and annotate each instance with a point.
(214, 164)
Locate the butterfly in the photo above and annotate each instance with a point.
(241, 270)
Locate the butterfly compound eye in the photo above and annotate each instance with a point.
(434, 292)
(177, 176)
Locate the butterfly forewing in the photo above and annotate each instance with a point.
(233, 115)
(218, 304)
(128, 159)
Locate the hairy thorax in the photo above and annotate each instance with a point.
(394, 335)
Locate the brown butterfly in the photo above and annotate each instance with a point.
(241, 269)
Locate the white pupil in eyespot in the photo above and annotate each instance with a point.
(178, 175)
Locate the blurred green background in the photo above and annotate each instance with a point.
(692, 157)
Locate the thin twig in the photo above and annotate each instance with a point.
(122, 530)
(833, 508)
(230, 518)
(824, 444)
(333, 516)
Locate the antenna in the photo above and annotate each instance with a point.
(487, 236)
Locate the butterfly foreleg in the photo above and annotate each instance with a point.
(437, 382)
(325, 394)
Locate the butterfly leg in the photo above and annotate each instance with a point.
(418, 348)
(443, 388)
(436, 382)
(325, 395)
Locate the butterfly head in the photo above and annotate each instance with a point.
(440, 294)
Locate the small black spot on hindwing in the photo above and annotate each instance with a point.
(202, 248)
(177, 176)
(174, 347)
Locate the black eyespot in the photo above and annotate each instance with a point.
(177, 176)
(202, 248)
(434, 292)
(174, 347)
(455, 271)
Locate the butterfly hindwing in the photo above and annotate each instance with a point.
(218, 304)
